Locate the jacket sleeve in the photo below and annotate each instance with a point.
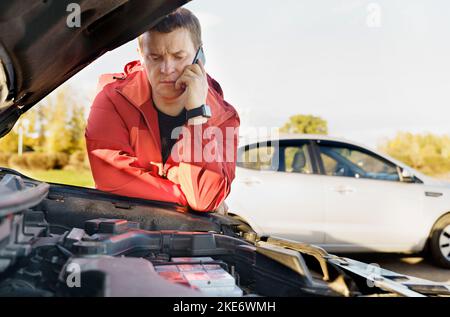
(114, 166)
(206, 182)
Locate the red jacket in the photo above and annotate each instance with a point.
(124, 146)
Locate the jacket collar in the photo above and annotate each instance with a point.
(136, 88)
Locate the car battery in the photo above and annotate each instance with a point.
(210, 279)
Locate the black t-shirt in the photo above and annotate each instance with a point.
(166, 125)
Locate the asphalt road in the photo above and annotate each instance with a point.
(408, 265)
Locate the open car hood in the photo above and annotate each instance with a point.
(39, 51)
(133, 244)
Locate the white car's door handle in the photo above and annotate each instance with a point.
(343, 189)
(251, 180)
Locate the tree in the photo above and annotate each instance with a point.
(76, 126)
(66, 123)
(305, 124)
(9, 143)
(56, 124)
(33, 137)
(58, 136)
(427, 153)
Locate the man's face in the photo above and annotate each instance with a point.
(164, 56)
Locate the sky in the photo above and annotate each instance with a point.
(370, 68)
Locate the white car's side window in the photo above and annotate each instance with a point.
(297, 160)
(263, 157)
(350, 162)
(258, 157)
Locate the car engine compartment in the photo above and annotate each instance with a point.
(60, 240)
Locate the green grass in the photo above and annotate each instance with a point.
(81, 178)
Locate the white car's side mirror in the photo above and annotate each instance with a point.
(407, 176)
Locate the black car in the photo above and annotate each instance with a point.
(60, 240)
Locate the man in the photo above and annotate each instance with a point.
(130, 131)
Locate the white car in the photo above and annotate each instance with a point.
(341, 196)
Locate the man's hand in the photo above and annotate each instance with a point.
(195, 82)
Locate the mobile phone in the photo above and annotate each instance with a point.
(199, 56)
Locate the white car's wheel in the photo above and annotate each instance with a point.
(440, 242)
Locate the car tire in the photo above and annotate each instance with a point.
(440, 242)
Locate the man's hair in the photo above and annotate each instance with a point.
(180, 18)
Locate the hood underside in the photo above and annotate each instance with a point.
(42, 45)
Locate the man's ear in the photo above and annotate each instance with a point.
(141, 58)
